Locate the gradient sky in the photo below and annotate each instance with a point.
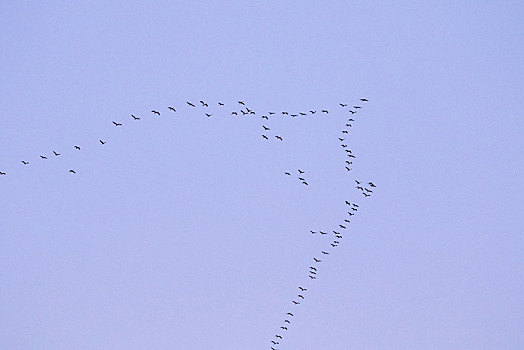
(182, 232)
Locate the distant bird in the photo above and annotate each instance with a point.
(287, 321)
(352, 112)
(312, 277)
(343, 105)
(203, 104)
(351, 156)
(305, 183)
(350, 213)
(312, 112)
(72, 171)
(371, 184)
(135, 118)
(220, 104)
(368, 190)
(56, 154)
(346, 220)
(271, 113)
(242, 103)
(333, 245)
(302, 113)
(295, 302)
(300, 296)
(275, 342)
(365, 194)
(285, 328)
(358, 182)
(234, 113)
(363, 100)
(294, 115)
(265, 127)
(264, 136)
(351, 120)
(155, 112)
(341, 139)
(324, 111)
(77, 148)
(279, 137)
(171, 108)
(347, 161)
(43, 157)
(290, 314)
(287, 173)
(344, 146)
(301, 179)
(326, 253)
(349, 125)
(265, 117)
(336, 242)
(301, 172)
(357, 107)
(348, 169)
(243, 113)
(285, 113)
(347, 203)
(323, 233)
(2, 173)
(355, 205)
(278, 336)
(24, 162)
(344, 131)
(360, 188)
(313, 268)
(208, 115)
(303, 289)
(117, 124)
(354, 209)
(313, 232)
(190, 104)
(102, 142)
(317, 260)
(342, 226)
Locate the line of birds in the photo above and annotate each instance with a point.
(337, 232)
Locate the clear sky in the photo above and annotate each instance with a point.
(183, 231)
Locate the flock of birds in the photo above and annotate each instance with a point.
(365, 187)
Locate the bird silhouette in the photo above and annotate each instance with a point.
(357, 107)
(265, 127)
(343, 105)
(290, 314)
(323, 233)
(312, 112)
(117, 124)
(305, 183)
(279, 137)
(285, 113)
(302, 113)
(171, 108)
(358, 182)
(203, 104)
(234, 113)
(344, 131)
(371, 184)
(102, 142)
(360, 188)
(312, 277)
(352, 112)
(351, 120)
(24, 162)
(56, 154)
(190, 104)
(287, 173)
(313, 268)
(220, 104)
(363, 100)
(296, 302)
(300, 296)
(285, 328)
(347, 203)
(302, 179)
(303, 289)
(301, 172)
(365, 194)
(264, 136)
(77, 148)
(242, 103)
(324, 111)
(155, 112)
(271, 113)
(287, 321)
(208, 115)
(348, 169)
(72, 171)
(43, 157)
(278, 336)
(326, 253)
(2, 173)
(265, 117)
(135, 118)
(317, 260)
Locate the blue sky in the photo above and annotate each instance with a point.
(183, 232)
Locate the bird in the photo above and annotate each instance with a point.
(302, 113)
(368, 190)
(301, 179)
(350, 213)
(24, 162)
(312, 112)
(135, 118)
(285, 113)
(323, 233)
(346, 220)
(243, 113)
(271, 113)
(43, 157)
(287, 321)
(264, 136)
(344, 146)
(117, 124)
(290, 314)
(300, 296)
(56, 154)
(365, 194)
(265, 117)
(360, 188)
(285, 328)
(349, 125)
(348, 169)
(342, 226)
(278, 336)
(357, 107)
(208, 115)
(102, 142)
(347, 203)
(155, 112)
(220, 104)
(344, 131)
(279, 137)
(275, 342)
(354, 209)
(351, 120)
(2, 173)
(303, 289)
(242, 103)
(326, 253)
(358, 182)
(348, 162)
(342, 105)
(77, 148)
(294, 115)
(301, 172)
(171, 108)
(190, 104)
(287, 173)
(234, 113)
(312, 277)
(72, 171)
(352, 112)
(351, 156)
(265, 127)
(371, 184)
(305, 183)
(203, 104)
(295, 302)
(317, 260)
(324, 111)
(363, 100)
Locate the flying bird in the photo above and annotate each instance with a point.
(208, 115)
(313, 232)
(303, 289)
(234, 113)
(323, 233)
(135, 118)
(43, 157)
(271, 113)
(290, 314)
(324, 111)
(102, 142)
(265, 117)
(301, 172)
(190, 104)
(117, 124)
(72, 171)
(287, 173)
(279, 137)
(343, 105)
(323, 252)
(300, 296)
(203, 104)
(264, 136)
(365, 194)
(305, 183)
(56, 154)
(287, 321)
(342, 226)
(344, 131)
(155, 112)
(363, 100)
(348, 169)
(2, 173)
(278, 336)
(171, 108)
(312, 112)
(77, 148)
(371, 184)
(220, 104)
(295, 302)
(265, 127)
(242, 103)
(24, 162)
(317, 260)
(285, 328)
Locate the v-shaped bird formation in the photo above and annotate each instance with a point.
(332, 236)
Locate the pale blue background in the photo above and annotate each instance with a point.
(183, 233)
